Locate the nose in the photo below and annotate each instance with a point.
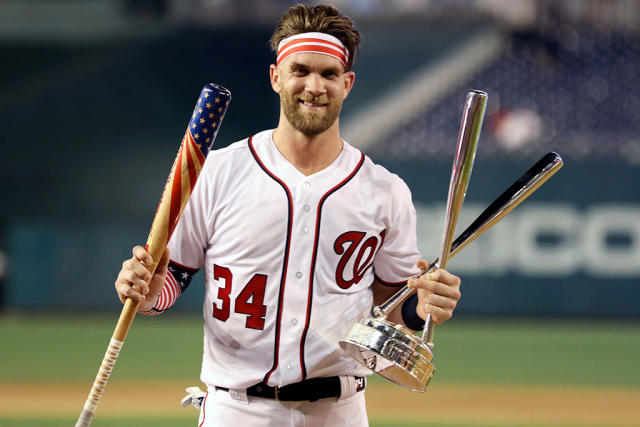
(314, 84)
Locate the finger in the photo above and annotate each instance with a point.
(133, 269)
(441, 302)
(125, 290)
(158, 281)
(435, 287)
(443, 276)
(129, 277)
(135, 265)
(438, 314)
(163, 263)
(141, 253)
(423, 265)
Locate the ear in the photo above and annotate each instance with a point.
(274, 78)
(350, 78)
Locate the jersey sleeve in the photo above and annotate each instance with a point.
(396, 260)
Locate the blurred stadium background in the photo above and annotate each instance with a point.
(94, 99)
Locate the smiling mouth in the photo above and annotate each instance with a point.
(311, 104)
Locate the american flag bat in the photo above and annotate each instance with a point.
(196, 144)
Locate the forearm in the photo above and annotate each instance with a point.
(167, 297)
(176, 281)
(405, 314)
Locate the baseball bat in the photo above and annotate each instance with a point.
(515, 194)
(471, 124)
(196, 144)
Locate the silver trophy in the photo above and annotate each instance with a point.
(394, 351)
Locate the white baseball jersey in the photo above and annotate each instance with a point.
(289, 259)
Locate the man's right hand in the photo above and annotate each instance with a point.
(134, 280)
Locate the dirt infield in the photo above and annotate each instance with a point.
(444, 403)
(511, 405)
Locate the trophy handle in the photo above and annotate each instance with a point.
(470, 126)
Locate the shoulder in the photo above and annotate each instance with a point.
(230, 150)
(379, 176)
(236, 151)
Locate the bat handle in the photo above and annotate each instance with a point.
(99, 384)
(84, 420)
(111, 355)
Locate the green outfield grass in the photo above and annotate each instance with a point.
(68, 349)
(505, 351)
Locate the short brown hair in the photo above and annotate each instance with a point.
(322, 19)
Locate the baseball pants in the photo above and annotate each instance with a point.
(226, 409)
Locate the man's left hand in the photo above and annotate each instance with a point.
(438, 293)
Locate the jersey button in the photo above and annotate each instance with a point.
(289, 365)
(306, 186)
(306, 208)
(294, 322)
(305, 230)
(299, 275)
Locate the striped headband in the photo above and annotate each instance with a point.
(322, 43)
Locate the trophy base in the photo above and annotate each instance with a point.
(392, 351)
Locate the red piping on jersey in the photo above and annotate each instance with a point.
(313, 261)
(204, 403)
(285, 263)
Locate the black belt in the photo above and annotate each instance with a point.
(311, 389)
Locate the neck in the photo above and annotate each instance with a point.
(308, 153)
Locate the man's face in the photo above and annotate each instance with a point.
(311, 87)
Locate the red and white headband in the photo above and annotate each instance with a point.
(322, 43)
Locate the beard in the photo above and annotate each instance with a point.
(306, 121)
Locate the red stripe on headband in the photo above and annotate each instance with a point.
(309, 40)
(312, 48)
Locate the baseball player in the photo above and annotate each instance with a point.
(298, 234)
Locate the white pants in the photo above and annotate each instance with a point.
(220, 409)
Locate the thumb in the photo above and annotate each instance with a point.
(423, 265)
(163, 263)
(157, 281)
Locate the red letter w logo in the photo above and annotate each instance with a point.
(352, 240)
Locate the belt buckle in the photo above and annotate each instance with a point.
(276, 391)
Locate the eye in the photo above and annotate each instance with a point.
(330, 74)
(299, 71)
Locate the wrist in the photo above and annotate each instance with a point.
(148, 304)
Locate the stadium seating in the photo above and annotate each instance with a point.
(575, 90)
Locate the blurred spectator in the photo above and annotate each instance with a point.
(517, 128)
